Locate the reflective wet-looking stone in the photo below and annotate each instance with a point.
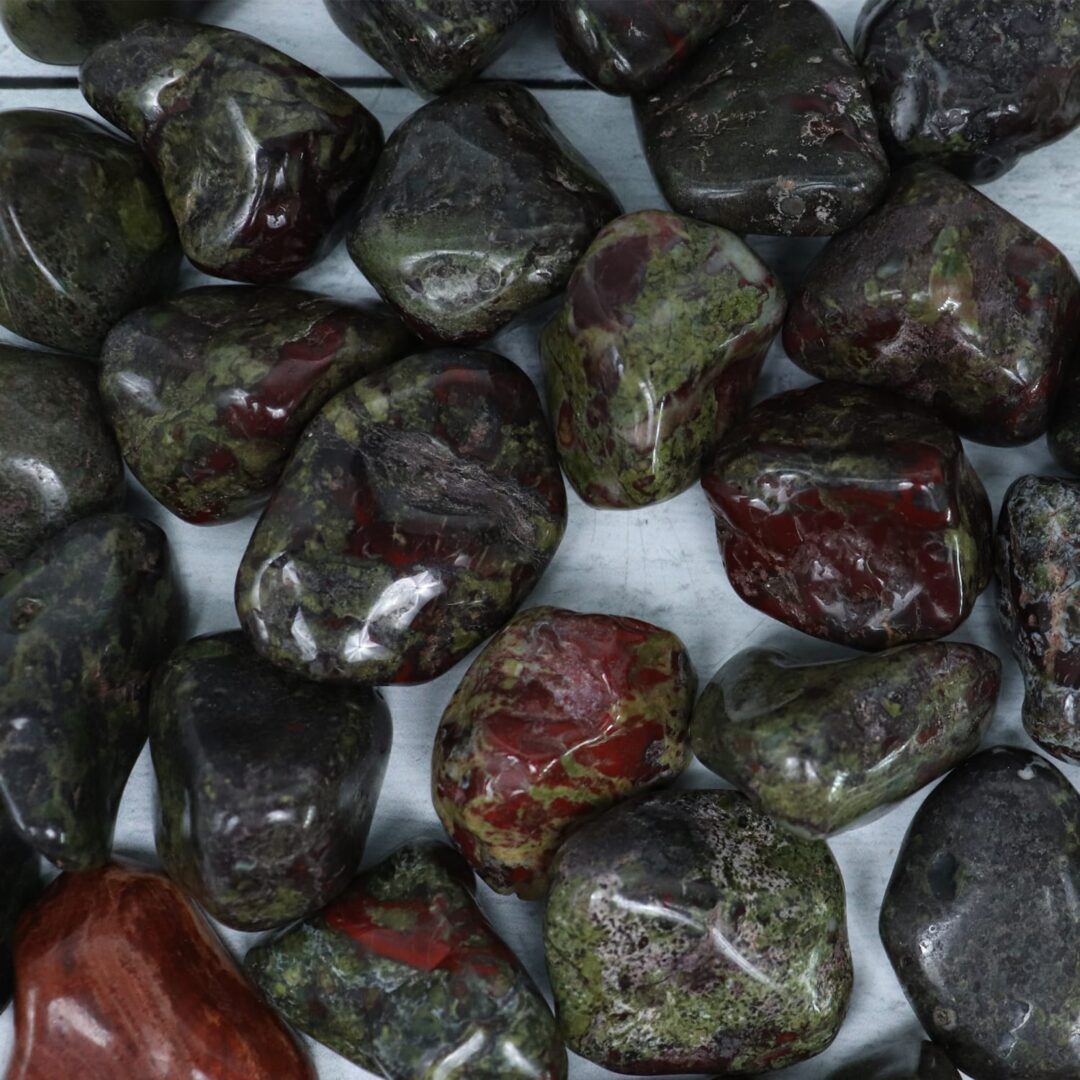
(22, 880)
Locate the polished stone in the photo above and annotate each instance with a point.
(21, 883)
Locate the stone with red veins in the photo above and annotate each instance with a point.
(559, 717)
(851, 516)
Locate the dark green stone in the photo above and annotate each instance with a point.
(20, 882)
(1064, 435)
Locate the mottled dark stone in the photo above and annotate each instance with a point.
(980, 918)
(21, 882)
(1064, 435)
(942, 296)
(851, 516)
(418, 511)
(971, 84)
(429, 45)
(405, 977)
(85, 232)
(58, 459)
(83, 623)
(209, 391)
(477, 210)
(866, 732)
(769, 128)
(259, 155)
(654, 352)
(1038, 568)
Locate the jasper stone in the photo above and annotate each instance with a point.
(971, 84)
(686, 933)
(1064, 435)
(119, 977)
(477, 210)
(83, 623)
(86, 234)
(405, 977)
(21, 882)
(1038, 567)
(980, 918)
(418, 511)
(865, 732)
(768, 129)
(654, 352)
(560, 716)
(429, 45)
(209, 391)
(943, 297)
(258, 154)
(851, 516)
(58, 459)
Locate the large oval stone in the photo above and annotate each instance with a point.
(22, 881)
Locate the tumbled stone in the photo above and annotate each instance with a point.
(942, 296)
(119, 977)
(21, 882)
(417, 513)
(405, 977)
(768, 129)
(258, 154)
(980, 918)
(971, 84)
(505, 209)
(87, 233)
(560, 716)
(209, 391)
(429, 45)
(83, 623)
(654, 352)
(865, 732)
(686, 933)
(1038, 567)
(58, 459)
(1064, 435)
(851, 516)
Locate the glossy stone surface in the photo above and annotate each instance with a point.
(85, 232)
(865, 732)
(83, 623)
(21, 882)
(942, 296)
(505, 209)
(654, 352)
(58, 459)
(119, 977)
(209, 391)
(1064, 435)
(430, 45)
(1038, 568)
(768, 129)
(560, 716)
(405, 977)
(267, 784)
(258, 154)
(680, 897)
(851, 516)
(971, 84)
(418, 511)
(980, 919)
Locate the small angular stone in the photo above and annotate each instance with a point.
(654, 352)
(769, 128)
(83, 623)
(405, 977)
(851, 516)
(971, 84)
(209, 391)
(21, 883)
(58, 459)
(942, 296)
(87, 234)
(1064, 435)
(120, 978)
(505, 209)
(686, 933)
(1038, 567)
(980, 919)
(267, 783)
(560, 716)
(418, 511)
(865, 732)
(259, 155)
